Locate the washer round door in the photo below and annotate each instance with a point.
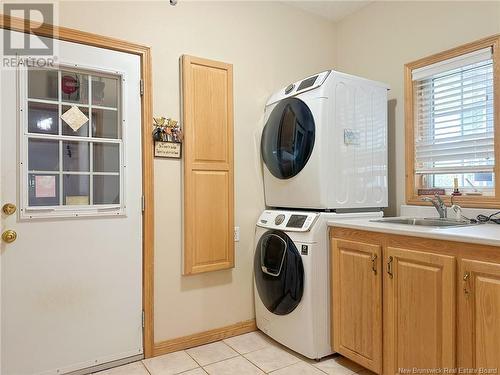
(288, 138)
(279, 272)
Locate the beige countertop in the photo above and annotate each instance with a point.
(485, 234)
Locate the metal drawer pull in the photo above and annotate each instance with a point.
(374, 264)
(389, 267)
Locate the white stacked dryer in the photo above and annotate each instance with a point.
(324, 144)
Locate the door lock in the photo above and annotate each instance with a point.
(9, 208)
(9, 236)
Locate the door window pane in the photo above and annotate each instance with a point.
(43, 155)
(84, 129)
(43, 118)
(76, 156)
(105, 91)
(76, 189)
(74, 87)
(43, 189)
(106, 189)
(106, 157)
(42, 84)
(105, 124)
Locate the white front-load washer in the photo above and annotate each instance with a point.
(292, 283)
(324, 144)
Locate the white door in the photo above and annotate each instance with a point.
(71, 283)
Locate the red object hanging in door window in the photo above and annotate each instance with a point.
(69, 85)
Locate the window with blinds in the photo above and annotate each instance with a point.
(454, 123)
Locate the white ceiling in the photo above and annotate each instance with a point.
(332, 10)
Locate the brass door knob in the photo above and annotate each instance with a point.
(9, 235)
(9, 208)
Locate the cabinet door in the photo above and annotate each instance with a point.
(419, 310)
(479, 316)
(207, 97)
(357, 302)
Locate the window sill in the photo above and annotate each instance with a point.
(462, 201)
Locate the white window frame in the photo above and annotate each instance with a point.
(27, 212)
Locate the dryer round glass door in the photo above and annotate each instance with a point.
(279, 272)
(288, 138)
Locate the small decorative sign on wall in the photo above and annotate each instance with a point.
(167, 149)
(168, 138)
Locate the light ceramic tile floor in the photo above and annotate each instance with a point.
(248, 354)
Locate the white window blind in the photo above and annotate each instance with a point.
(453, 109)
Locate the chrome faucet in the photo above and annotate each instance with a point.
(439, 205)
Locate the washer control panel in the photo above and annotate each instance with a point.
(293, 221)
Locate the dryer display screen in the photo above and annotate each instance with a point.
(296, 221)
(307, 83)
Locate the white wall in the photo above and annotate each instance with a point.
(270, 45)
(379, 39)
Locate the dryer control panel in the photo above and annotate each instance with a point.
(295, 88)
(291, 221)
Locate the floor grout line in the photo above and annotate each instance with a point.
(190, 356)
(144, 365)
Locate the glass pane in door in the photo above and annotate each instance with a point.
(43, 189)
(76, 189)
(43, 118)
(83, 131)
(106, 189)
(74, 87)
(43, 155)
(105, 124)
(105, 91)
(76, 156)
(106, 157)
(42, 84)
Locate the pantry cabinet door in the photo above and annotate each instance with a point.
(419, 310)
(479, 317)
(357, 302)
(207, 97)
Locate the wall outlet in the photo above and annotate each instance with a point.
(236, 234)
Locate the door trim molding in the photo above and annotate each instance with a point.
(144, 52)
(202, 338)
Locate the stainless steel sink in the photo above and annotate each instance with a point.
(427, 222)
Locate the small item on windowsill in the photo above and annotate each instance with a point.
(456, 191)
(475, 192)
(431, 191)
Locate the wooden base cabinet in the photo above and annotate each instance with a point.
(479, 315)
(357, 302)
(419, 310)
(409, 305)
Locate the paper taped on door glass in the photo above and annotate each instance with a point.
(74, 118)
(72, 200)
(45, 186)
